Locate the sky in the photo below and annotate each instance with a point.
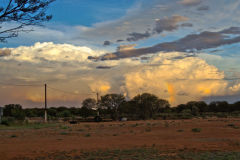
(179, 50)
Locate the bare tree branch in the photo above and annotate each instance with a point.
(22, 13)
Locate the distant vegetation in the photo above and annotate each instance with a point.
(115, 106)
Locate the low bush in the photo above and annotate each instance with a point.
(196, 130)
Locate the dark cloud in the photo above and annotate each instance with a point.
(216, 50)
(103, 67)
(161, 25)
(5, 52)
(187, 25)
(106, 43)
(137, 36)
(232, 30)
(169, 24)
(126, 47)
(182, 57)
(145, 58)
(203, 8)
(190, 2)
(189, 43)
(119, 40)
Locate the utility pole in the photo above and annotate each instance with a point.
(97, 97)
(45, 110)
(1, 114)
(97, 103)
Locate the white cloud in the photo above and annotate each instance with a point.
(178, 80)
(51, 52)
(174, 76)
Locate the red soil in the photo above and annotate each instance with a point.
(171, 135)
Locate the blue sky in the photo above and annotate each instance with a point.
(144, 46)
(87, 13)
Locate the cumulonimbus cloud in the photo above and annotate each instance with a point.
(191, 76)
(174, 76)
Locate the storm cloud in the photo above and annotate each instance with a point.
(106, 43)
(165, 74)
(164, 24)
(169, 24)
(137, 36)
(189, 43)
(203, 8)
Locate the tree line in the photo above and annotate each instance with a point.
(115, 106)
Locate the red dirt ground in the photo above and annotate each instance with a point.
(167, 135)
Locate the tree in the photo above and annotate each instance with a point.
(219, 106)
(14, 110)
(89, 103)
(148, 105)
(65, 113)
(20, 14)
(113, 102)
(86, 112)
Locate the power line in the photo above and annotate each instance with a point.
(21, 85)
(68, 92)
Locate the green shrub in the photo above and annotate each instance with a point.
(148, 129)
(233, 126)
(88, 135)
(64, 133)
(64, 127)
(13, 136)
(196, 130)
(7, 121)
(180, 130)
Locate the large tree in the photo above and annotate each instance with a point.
(148, 105)
(89, 103)
(112, 102)
(16, 15)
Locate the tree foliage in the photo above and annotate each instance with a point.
(89, 103)
(112, 102)
(16, 15)
(14, 110)
(143, 106)
(148, 105)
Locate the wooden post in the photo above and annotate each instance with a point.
(1, 114)
(45, 110)
(97, 103)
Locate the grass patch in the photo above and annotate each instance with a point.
(80, 130)
(233, 126)
(148, 129)
(64, 133)
(166, 124)
(148, 124)
(141, 153)
(211, 156)
(28, 126)
(180, 130)
(134, 125)
(196, 130)
(87, 126)
(13, 136)
(64, 127)
(87, 135)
